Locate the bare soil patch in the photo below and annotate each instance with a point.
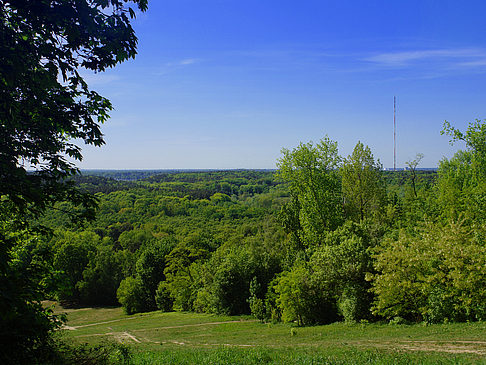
(453, 347)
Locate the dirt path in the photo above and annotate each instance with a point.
(192, 325)
(454, 346)
(123, 336)
(72, 328)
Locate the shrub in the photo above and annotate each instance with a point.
(162, 298)
(257, 306)
(434, 274)
(354, 303)
(339, 267)
(132, 295)
(301, 299)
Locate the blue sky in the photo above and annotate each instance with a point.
(228, 84)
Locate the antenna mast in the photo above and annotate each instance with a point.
(394, 134)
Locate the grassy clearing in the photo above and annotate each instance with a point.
(188, 338)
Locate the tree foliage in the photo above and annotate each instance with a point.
(44, 101)
(363, 187)
(132, 295)
(340, 266)
(412, 167)
(181, 275)
(434, 274)
(312, 174)
(45, 104)
(25, 325)
(462, 179)
(301, 298)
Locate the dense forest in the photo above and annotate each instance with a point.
(323, 238)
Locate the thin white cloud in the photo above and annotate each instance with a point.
(183, 62)
(188, 61)
(172, 66)
(478, 63)
(460, 56)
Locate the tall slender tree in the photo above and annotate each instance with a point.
(412, 166)
(313, 177)
(363, 186)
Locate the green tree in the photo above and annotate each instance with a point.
(301, 298)
(412, 167)
(162, 298)
(102, 277)
(134, 239)
(132, 295)
(72, 253)
(44, 101)
(150, 269)
(226, 276)
(462, 179)
(257, 305)
(474, 138)
(363, 187)
(419, 199)
(181, 276)
(339, 268)
(435, 273)
(289, 217)
(25, 325)
(44, 105)
(312, 174)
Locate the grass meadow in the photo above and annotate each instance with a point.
(191, 338)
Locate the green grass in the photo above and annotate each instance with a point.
(292, 356)
(189, 338)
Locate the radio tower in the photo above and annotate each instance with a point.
(394, 134)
